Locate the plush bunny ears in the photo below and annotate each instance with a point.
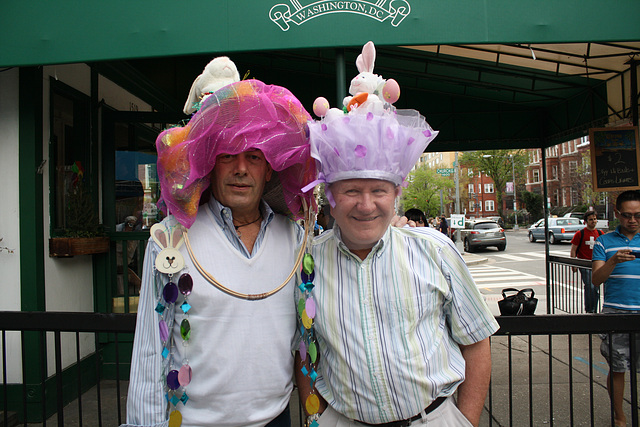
(365, 61)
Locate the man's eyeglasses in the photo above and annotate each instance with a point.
(627, 215)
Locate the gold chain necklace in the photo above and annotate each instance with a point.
(264, 295)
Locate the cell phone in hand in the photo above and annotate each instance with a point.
(635, 254)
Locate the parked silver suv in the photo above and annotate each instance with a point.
(481, 233)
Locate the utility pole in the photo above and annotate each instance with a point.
(515, 203)
(457, 180)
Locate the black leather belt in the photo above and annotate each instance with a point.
(403, 423)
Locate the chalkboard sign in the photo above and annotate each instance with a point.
(615, 158)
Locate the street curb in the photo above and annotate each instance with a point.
(475, 260)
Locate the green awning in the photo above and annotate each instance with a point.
(510, 73)
(65, 31)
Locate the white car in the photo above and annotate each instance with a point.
(602, 224)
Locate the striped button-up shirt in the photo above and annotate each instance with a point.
(389, 326)
(224, 218)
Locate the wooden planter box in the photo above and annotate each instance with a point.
(70, 246)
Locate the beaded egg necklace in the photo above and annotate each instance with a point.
(168, 264)
(308, 342)
(176, 380)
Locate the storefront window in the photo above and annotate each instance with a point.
(70, 155)
(136, 196)
(137, 188)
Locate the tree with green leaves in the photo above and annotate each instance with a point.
(423, 191)
(497, 165)
(583, 184)
(534, 203)
(81, 214)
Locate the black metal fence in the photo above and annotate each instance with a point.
(69, 361)
(126, 269)
(547, 370)
(565, 291)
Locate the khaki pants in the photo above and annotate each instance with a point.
(446, 415)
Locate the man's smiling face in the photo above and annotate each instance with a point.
(363, 210)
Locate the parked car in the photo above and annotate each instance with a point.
(481, 233)
(497, 219)
(602, 224)
(559, 229)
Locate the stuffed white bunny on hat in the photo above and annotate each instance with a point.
(218, 73)
(367, 87)
(370, 91)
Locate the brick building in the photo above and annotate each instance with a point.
(567, 174)
(477, 192)
(481, 195)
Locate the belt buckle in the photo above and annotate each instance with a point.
(409, 422)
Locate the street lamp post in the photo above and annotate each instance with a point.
(515, 206)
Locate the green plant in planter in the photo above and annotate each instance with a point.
(83, 234)
(81, 216)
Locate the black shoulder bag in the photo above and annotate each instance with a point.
(520, 303)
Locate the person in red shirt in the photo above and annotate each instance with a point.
(582, 247)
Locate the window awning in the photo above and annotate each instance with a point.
(526, 73)
(54, 32)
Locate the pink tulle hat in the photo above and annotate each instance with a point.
(241, 116)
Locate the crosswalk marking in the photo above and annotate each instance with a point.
(526, 256)
(499, 277)
(512, 257)
(559, 253)
(517, 285)
(534, 254)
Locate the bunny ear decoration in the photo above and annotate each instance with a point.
(177, 236)
(169, 238)
(367, 58)
(194, 96)
(160, 235)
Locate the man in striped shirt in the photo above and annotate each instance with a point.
(615, 261)
(398, 320)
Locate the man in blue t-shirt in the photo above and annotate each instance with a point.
(615, 262)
